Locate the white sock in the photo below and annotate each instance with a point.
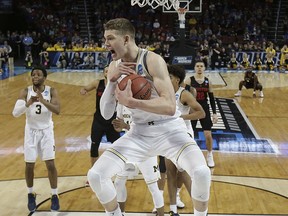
(30, 189)
(173, 208)
(54, 191)
(210, 153)
(178, 191)
(197, 213)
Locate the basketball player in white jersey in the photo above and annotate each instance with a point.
(148, 168)
(38, 102)
(157, 128)
(190, 110)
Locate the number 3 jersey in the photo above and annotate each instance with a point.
(37, 115)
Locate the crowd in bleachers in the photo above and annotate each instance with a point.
(223, 28)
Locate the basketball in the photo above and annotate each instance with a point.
(140, 86)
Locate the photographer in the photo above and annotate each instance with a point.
(28, 60)
(44, 59)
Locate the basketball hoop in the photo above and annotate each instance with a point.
(181, 17)
(181, 13)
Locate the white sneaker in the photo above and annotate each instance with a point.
(179, 203)
(154, 211)
(254, 94)
(238, 94)
(261, 94)
(210, 160)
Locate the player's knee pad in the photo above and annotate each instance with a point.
(201, 184)
(120, 185)
(156, 195)
(103, 187)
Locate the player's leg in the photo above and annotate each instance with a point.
(241, 84)
(260, 88)
(182, 177)
(150, 172)
(30, 156)
(206, 124)
(120, 186)
(171, 172)
(47, 154)
(99, 176)
(161, 182)
(97, 132)
(193, 161)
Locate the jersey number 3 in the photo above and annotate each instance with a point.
(38, 109)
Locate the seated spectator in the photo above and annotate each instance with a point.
(102, 60)
(63, 60)
(250, 82)
(269, 63)
(284, 66)
(89, 62)
(76, 61)
(233, 64)
(245, 64)
(284, 51)
(257, 64)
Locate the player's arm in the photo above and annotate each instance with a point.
(189, 99)
(54, 104)
(91, 86)
(108, 100)
(212, 103)
(190, 89)
(21, 106)
(165, 104)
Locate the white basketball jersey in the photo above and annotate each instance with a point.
(183, 109)
(37, 115)
(140, 116)
(124, 113)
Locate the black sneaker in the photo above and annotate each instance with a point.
(171, 213)
(55, 203)
(32, 202)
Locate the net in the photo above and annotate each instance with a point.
(168, 4)
(181, 13)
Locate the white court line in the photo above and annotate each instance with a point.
(126, 214)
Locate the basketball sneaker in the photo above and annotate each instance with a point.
(254, 94)
(210, 160)
(55, 203)
(238, 94)
(171, 213)
(180, 204)
(32, 202)
(261, 94)
(154, 211)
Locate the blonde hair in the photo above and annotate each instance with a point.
(122, 25)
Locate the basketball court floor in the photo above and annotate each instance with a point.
(250, 143)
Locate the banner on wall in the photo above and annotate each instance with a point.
(54, 56)
(186, 59)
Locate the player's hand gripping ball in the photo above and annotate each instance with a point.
(140, 86)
